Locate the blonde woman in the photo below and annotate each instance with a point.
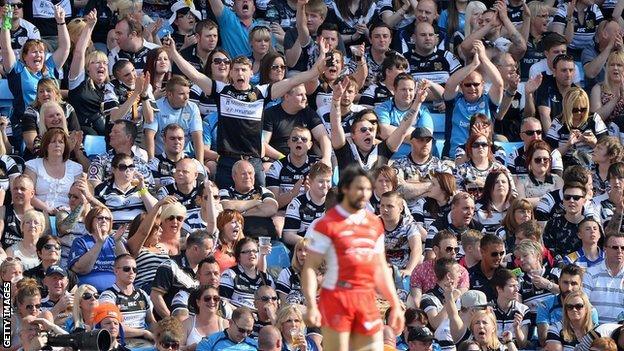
(472, 16)
(88, 75)
(607, 98)
(290, 323)
(577, 322)
(32, 226)
(540, 16)
(86, 299)
(288, 284)
(260, 41)
(484, 331)
(575, 129)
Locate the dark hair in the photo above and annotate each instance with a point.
(573, 270)
(196, 294)
(150, 64)
(47, 139)
(359, 117)
(44, 240)
(448, 185)
(412, 314)
(576, 173)
(208, 260)
(613, 235)
(348, 175)
(534, 146)
(530, 229)
(472, 138)
(488, 188)
(562, 58)
(441, 236)
(206, 24)
(329, 27)
(94, 212)
(490, 239)
(481, 118)
(129, 127)
(616, 170)
(379, 24)
(123, 256)
(239, 246)
(197, 238)
(208, 66)
(118, 158)
(574, 185)
(552, 39)
(402, 76)
(265, 66)
(442, 267)
(119, 65)
(392, 59)
(501, 277)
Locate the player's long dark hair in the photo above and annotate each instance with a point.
(347, 176)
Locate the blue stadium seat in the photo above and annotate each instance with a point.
(53, 225)
(437, 148)
(509, 147)
(438, 122)
(6, 98)
(94, 145)
(406, 283)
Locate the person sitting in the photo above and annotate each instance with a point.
(266, 304)
(447, 275)
(236, 335)
(206, 321)
(169, 334)
(107, 316)
(33, 226)
(511, 315)
(590, 254)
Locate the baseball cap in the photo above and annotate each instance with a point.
(421, 132)
(55, 270)
(420, 334)
(106, 310)
(473, 298)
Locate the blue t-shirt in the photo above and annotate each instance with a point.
(101, 276)
(22, 82)
(235, 39)
(389, 113)
(221, 342)
(443, 21)
(187, 117)
(551, 311)
(460, 113)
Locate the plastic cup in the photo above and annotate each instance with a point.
(264, 241)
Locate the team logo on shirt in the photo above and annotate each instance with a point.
(252, 96)
(437, 66)
(590, 24)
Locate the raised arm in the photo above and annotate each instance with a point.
(592, 68)
(338, 138)
(62, 52)
(409, 119)
(217, 7)
(5, 45)
(518, 44)
(452, 85)
(280, 88)
(525, 29)
(78, 61)
(303, 35)
(136, 241)
(467, 46)
(512, 87)
(529, 90)
(187, 69)
(491, 73)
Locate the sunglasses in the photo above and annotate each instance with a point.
(242, 330)
(541, 160)
(498, 254)
(450, 249)
(474, 189)
(296, 139)
(480, 144)
(280, 67)
(572, 197)
(128, 269)
(17, 5)
(533, 132)
(616, 248)
(52, 247)
(366, 129)
(268, 298)
(103, 218)
(474, 85)
(124, 168)
(579, 110)
(575, 306)
(89, 296)
(174, 345)
(178, 218)
(253, 251)
(218, 61)
(214, 298)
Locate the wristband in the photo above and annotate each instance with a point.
(143, 191)
(144, 98)
(60, 24)
(509, 94)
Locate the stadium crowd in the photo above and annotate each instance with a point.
(164, 165)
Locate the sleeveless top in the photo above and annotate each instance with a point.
(619, 107)
(195, 337)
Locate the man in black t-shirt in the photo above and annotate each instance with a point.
(299, 42)
(131, 45)
(207, 34)
(22, 193)
(492, 255)
(279, 121)
(549, 95)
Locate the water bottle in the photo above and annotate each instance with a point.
(7, 21)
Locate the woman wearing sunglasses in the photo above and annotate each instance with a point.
(272, 69)
(206, 321)
(49, 253)
(480, 123)
(126, 194)
(170, 335)
(86, 299)
(292, 326)
(240, 282)
(577, 322)
(575, 133)
(539, 180)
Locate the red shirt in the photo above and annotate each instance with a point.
(424, 278)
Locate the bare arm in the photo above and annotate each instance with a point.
(592, 68)
(320, 135)
(187, 69)
(409, 119)
(280, 88)
(269, 150)
(508, 96)
(303, 35)
(309, 286)
(5, 47)
(62, 52)
(240, 205)
(492, 73)
(267, 208)
(149, 142)
(217, 8)
(452, 85)
(415, 257)
(384, 283)
(529, 89)
(525, 29)
(198, 145)
(78, 60)
(157, 297)
(466, 47)
(338, 138)
(518, 44)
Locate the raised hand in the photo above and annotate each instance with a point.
(421, 93)
(339, 88)
(532, 84)
(59, 14)
(120, 232)
(514, 80)
(91, 18)
(169, 45)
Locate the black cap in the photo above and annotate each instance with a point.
(422, 132)
(55, 270)
(420, 334)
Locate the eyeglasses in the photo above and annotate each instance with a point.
(33, 307)
(52, 247)
(296, 139)
(474, 85)
(572, 197)
(174, 345)
(214, 298)
(103, 218)
(541, 160)
(533, 132)
(616, 248)
(268, 298)
(242, 330)
(497, 254)
(128, 269)
(88, 296)
(280, 67)
(366, 129)
(218, 61)
(575, 306)
(253, 251)
(579, 110)
(124, 168)
(480, 144)
(178, 218)
(450, 249)
(474, 189)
